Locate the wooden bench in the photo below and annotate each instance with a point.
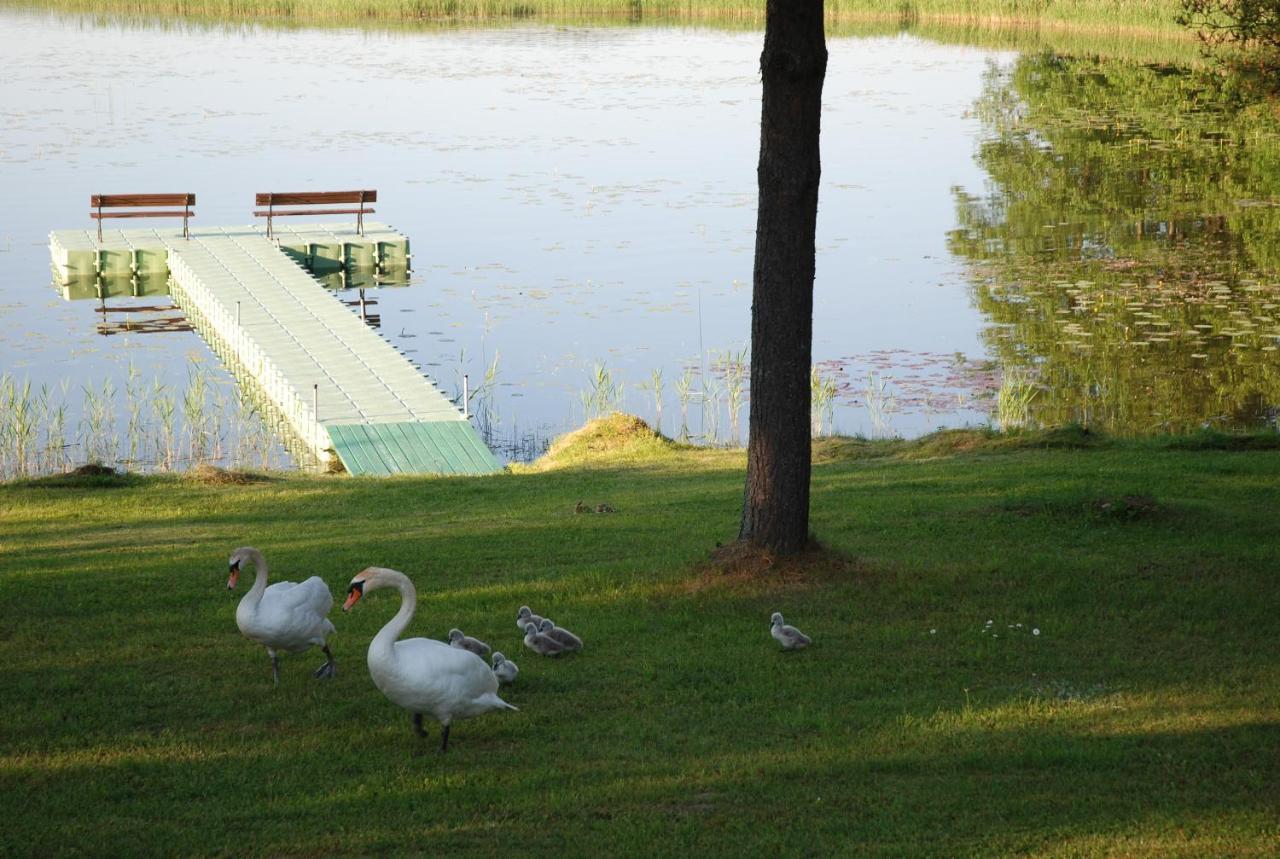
(98, 202)
(316, 198)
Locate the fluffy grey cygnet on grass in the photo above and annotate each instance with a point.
(562, 636)
(504, 668)
(788, 636)
(526, 615)
(466, 642)
(544, 645)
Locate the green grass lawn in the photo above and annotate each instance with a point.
(1144, 719)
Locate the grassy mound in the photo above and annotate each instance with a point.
(951, 442)
(91, 476)
(613, 440)
(1214, 440)
(213, 475)
(981, 440)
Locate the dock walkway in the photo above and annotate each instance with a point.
(345, 390)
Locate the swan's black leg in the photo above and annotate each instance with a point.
(417, 725)
(444, 743)
(329, 669)
(275, 666)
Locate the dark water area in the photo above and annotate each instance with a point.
(1013, 239)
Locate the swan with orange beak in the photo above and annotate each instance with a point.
(287, 616)
(419, 674)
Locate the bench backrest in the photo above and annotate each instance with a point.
(293, 200)
(98, 202)
(315, 198)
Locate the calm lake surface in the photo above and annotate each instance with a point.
(1001, 239)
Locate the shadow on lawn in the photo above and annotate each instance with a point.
(363, 788)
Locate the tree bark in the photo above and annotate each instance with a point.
(793, 65)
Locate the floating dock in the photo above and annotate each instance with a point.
(346, 392)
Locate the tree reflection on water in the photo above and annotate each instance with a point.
(1125, 252)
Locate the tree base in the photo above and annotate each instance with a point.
(745, 563)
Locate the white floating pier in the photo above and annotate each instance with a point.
(345, 391)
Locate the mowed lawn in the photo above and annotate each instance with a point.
(927, 719)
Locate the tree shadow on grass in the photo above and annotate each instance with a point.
(357, 787)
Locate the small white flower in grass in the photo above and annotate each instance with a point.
(1035, 631)
(993, 635)
(990, 622)
(933, 632)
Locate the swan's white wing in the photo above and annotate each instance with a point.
(313, 594)
(430, 676)
(295, 613)
(425, 657)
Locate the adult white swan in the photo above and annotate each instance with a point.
(419, 674)
(286, 616)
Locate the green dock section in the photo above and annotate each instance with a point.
(411, 448)
(343, 389)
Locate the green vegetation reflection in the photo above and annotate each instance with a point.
(1125, 253)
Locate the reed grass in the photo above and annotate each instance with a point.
(1018, 389)
(604, 394)
(720, 392)
(481, 399)
(654, 386)
(210, 427)
(194, 407)
(136, 430)
(734, 367)
(684, 393)
(485, 410)
(245, 451)
(881, 403)
(1145, 16)
(55, 433)
(165, 404)
(822, 398)
(98, 436)
(19, 424)
(1121, 29)
(712, 391)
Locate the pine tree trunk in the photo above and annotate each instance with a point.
(775, 512)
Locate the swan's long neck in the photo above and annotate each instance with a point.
(383, 644)
(254, 596)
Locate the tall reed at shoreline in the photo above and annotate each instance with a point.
(1154, 16)
(164, 430)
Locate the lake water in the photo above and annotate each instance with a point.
(583, 199)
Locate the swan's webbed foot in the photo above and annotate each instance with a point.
(329, 670)
(417, 725)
